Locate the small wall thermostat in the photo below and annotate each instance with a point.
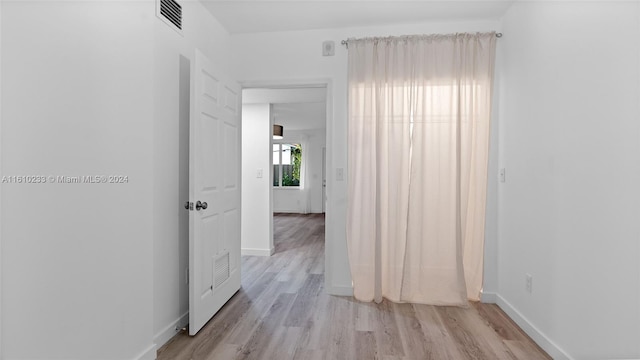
(328, 48)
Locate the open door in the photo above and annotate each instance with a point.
(214, 191)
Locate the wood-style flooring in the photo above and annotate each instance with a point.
(282, 312)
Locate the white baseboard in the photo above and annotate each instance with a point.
(287, 211)
(296, 211)
(257, 252)
(340, 290)
(170, 331)
(538, 336)
(148, 354)
(489, 298)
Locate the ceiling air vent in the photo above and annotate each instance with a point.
(170, 12)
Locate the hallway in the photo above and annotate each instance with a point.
(282, 312)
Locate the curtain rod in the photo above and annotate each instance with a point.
(346, 43)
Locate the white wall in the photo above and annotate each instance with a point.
(172, 59)
(1, 351)
(96, 88)
(569, 210)
(297, 55)
(290, 200)
(257, 225)
(77, 260)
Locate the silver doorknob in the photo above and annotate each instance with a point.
(201, 205)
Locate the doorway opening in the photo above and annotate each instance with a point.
(283, 182)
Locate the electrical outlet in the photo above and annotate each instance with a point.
(340, 174)
(528, 283)
(502, 175)
(259, 173)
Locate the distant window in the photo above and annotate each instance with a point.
(287, 159)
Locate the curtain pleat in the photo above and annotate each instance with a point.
(419, 113)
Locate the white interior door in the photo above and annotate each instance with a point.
(214, 191)
(324, 179)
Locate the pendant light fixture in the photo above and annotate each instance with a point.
(278, 130)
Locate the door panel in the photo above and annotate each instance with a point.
(214, 227)
(231, 158)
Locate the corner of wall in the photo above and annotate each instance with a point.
(147, 354)
(340, 290)
(170, 330)
(488, 297)
(258, 252)
(538, 336)
(174, 54)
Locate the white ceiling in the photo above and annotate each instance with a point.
(299, 108)
(284, 95)
(300, 116)
(239, 16)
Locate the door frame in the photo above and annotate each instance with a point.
(324, 178)
(326, 83)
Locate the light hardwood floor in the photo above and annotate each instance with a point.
(282, 312)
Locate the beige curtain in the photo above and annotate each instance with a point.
(419, 111)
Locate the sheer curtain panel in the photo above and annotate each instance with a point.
(419, 114)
